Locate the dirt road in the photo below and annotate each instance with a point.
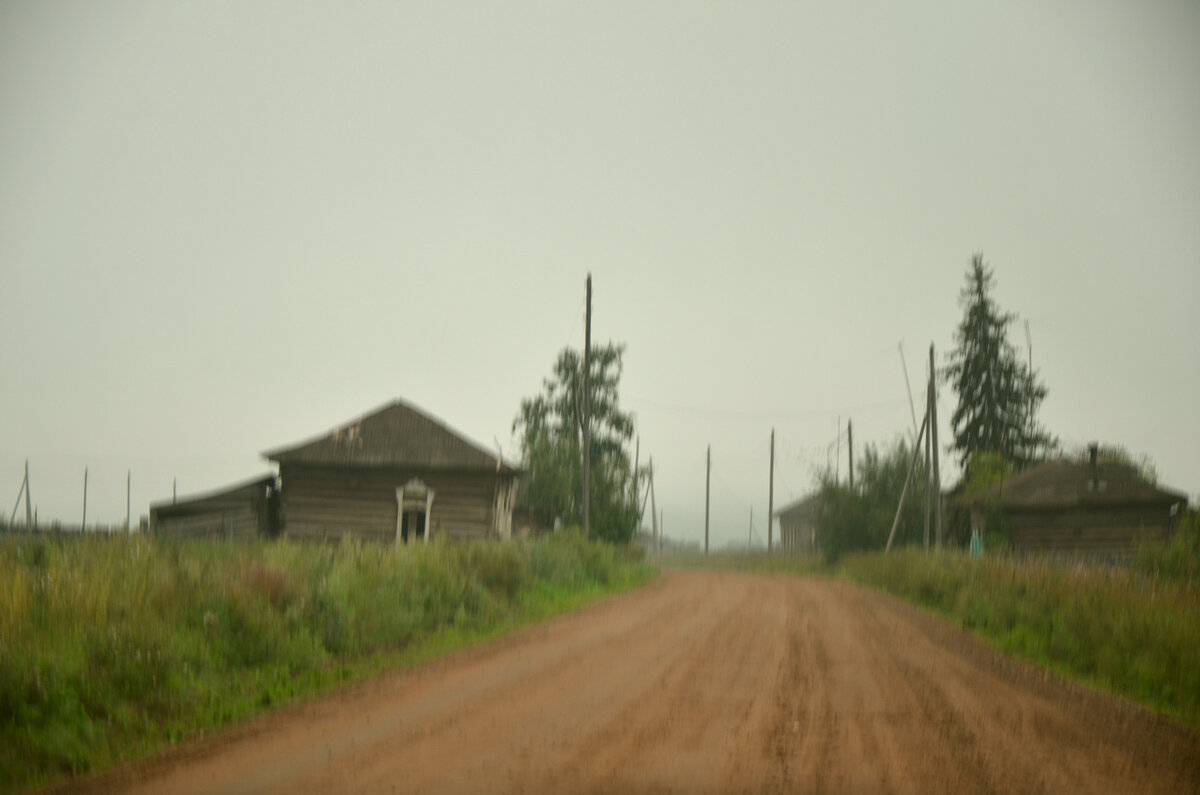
(704, 682)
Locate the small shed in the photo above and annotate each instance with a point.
(1090, 508)
(798, 525)
(395, 475)
(243, 511)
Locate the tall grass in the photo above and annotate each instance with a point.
(1116, 628)
(111, 647)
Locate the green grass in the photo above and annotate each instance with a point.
(111, 648)
(1113, 628)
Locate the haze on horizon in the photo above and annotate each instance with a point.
(229, 227)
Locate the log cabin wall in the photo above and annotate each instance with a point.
(332, 502)
(1108, 531)
(241, 513)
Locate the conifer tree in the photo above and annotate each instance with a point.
(998, 395)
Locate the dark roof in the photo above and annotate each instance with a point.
(1064, 484)
(395, 435)
(801, 506)
(228, 497)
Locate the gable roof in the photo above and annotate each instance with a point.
(800, 507)
(1066, 484)
(395, 435)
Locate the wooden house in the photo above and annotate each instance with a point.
(798, 526)
(244, 511)
(1090, 508)
(394, 475)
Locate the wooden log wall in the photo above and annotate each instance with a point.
(1112, 532)
(328, 502)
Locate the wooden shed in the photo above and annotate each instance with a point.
(244, 511)
(798, 525)
(394, 475)
(1092, 508)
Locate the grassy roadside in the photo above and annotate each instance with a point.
(1116, 629)
(112, 648)
(1132, 631)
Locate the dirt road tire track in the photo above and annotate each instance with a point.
(702, 682)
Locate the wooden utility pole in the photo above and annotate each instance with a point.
(933, 429)
(22, 492)
(587, 411)
(850, 449)
(28, 504)
(908, 478)
(771, 494)
(928, 476)
(655, 538)
(908, 390)
(83, 524)
(707, 479)
(128, 489)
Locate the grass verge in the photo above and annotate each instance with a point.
(1112, 628)
(112, 648)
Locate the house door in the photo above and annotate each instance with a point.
(412, 527)
(414, 505)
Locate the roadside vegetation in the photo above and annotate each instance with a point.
(111, 648)
(1130, 630)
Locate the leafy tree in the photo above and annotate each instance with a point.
(550, 427)
(858, 519)
(998, 395)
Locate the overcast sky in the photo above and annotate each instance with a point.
(226, 227)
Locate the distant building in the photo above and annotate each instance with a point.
(798, 525)
(244, 511)
(394, 475)
(1088, 508)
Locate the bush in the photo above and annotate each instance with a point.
(111, 646)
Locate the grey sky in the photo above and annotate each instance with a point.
(225, 227)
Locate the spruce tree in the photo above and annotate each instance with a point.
(998, 395)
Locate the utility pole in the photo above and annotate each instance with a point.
(837, 467)
(850, 449)
(587, 411)
(707, 479)
(637, 455)
(656, 538)
(928, 473)
(907, 479)
(28, 506)
(128, 489)
(771, 494)
(908, 390)
(933, 429)
(83, 524)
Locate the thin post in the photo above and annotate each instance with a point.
(933, 432)
(655, 539)
(908, 388)
(837, 466)
(707, 480)
(850, 450)
(771, 493)
(28, 504)
(128, 489)
(637, 455)
(587, 411)
(911, 465)
(928, 477)
(21, 492)
(83, 524)
(174, 490)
